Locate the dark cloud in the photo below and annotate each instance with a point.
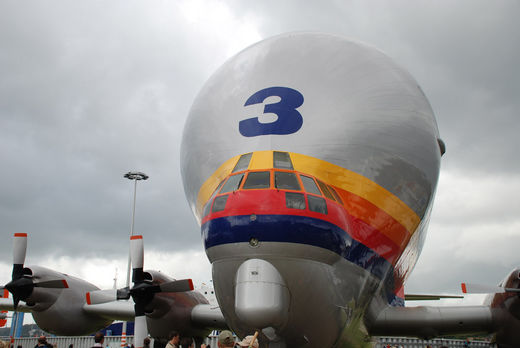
(89, 91)
(87, 94)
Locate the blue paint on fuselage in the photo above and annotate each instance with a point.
(294, 229)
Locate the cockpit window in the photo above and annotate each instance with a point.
(286, 181)
(207, 208)
(294, 200)
(218, 188)
(219, 204)
(282, 160)
(233, 183)
(338, 198)
(309, 185)
(325, 190)
(243, 162)
(317, 204)
(257, 180)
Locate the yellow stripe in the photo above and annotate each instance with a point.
(327, 172)
(358, 185)
(212, 182)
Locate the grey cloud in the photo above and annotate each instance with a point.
(91, 90)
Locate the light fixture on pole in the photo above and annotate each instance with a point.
(136, 176)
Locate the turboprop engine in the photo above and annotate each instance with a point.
(55, 299)
(504, 303)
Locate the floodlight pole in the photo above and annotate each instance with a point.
(135, 176)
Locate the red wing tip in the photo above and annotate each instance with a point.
(88, 298)
(20, 235)
(136, 237)
(463, 286)
(191, 284)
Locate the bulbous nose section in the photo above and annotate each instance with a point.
(261, 295)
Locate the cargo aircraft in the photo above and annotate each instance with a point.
(311, 162)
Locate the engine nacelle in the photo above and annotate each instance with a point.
(172, 311)
(505, 309)
(60, 311)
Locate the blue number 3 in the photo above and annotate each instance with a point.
(289, 119)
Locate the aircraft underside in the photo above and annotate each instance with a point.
(326, 303)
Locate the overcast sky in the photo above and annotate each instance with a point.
(92, 90)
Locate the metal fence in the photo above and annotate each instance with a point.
(115, 342)
(65, 341)
(405, 342)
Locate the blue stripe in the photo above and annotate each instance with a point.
(294, 229)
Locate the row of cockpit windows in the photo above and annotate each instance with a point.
(282, 181)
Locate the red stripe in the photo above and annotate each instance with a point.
(88, 298)
(136, 237)
(272, 202)
(191, 284)
(464, 290)
(6, 293)
(20, 235)
(65, 284)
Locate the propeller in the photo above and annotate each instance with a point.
(142, 291)
(468, 288)
(22, 283)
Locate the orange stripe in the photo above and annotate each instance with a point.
(375, 217)
(20, 235)
(136, 237)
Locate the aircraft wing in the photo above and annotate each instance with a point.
(425, 297)
(427, 321)
(113, 310)
(203, 315)
(6, 304)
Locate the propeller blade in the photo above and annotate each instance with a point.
(52, 284)
(19, 252)
(177, 286)
(101, 296)
(137, 258)
(140, 331)
(468, 288)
